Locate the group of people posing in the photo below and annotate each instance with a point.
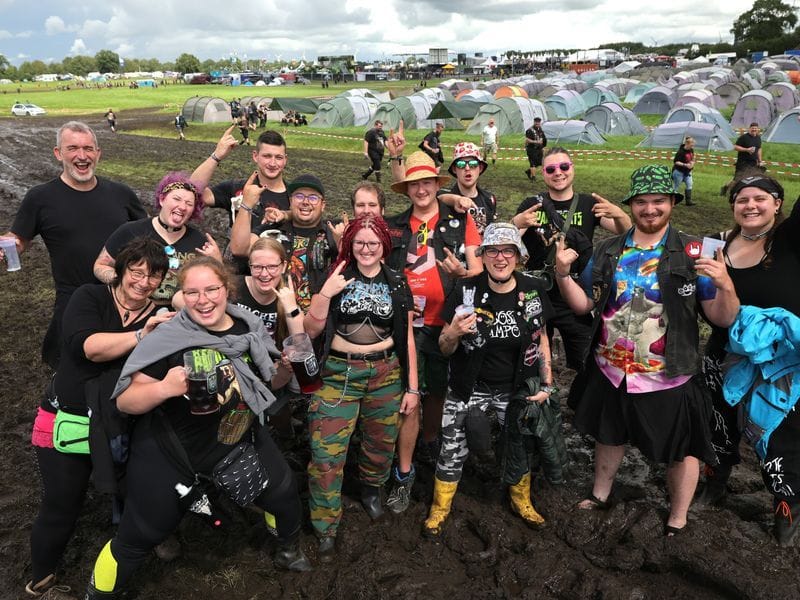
(420, 326)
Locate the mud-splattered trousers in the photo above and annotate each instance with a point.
(454, 451)
(355, 392)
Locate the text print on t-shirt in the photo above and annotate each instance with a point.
(504, 326)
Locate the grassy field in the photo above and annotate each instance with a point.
(603, 169)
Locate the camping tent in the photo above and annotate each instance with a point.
(786, 128)
(572, 131)
(637, 91)
(480, 96)
(617, 85)
(597, 95)
(345, 112)
(303, 105)
(707, 97)
(566, 104)
(509, 91)
(656, 101)
(707, 136)
(414, 111)
(205, 109)
(732, 91)
(379, 96)
(511, 115)
(755, 106)
(784, 95)
(694, 111)
(446, 110)
(612, 119)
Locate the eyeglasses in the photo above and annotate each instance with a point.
(255, 269)
(495, 252)
(564, 166)
(360, 244)
(310, 198)
(172, 255)
(423, 233)
(472, 163)
(212, 293)
(137, 275)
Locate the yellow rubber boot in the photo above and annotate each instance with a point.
(521, 502)
(443, 492)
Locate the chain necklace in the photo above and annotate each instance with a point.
(128, 310)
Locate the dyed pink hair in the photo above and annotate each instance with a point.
(180, 180)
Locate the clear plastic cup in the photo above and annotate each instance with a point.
(419, 302)
(9, 247)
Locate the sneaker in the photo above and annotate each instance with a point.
(400, 496)
(47, 589)
(786, 520)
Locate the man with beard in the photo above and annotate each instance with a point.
(639, 384)
(467, 167)
(590, 212)
(75, 214)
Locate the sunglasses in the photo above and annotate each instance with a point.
(472, 163)
(564, 166)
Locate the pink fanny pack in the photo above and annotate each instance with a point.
(42, 435)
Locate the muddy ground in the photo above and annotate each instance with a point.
(485, 551)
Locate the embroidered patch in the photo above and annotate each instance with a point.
(621, 287)
(693, 249)
(687, 289)
(597, 291)
(531, 354)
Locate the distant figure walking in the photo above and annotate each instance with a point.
(111, 119)
(180, 125)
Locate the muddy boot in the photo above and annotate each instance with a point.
(400, 496)
(689, 198)
(92, 593)
(46, 589)
(786, 521)
(443, 492)
(291, 557)
(378, 176)
(716, 487)
(371, 501)
(366, 174)
(520, 496)
(528, 173)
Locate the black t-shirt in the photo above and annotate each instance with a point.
(485, 210)
(225, 191)
(745, 159)
(199, 434)
(376, 139)
(268, 313)
(536, 134)
(366, 299)
(90, 310)
(185, 248)
(433, 140)
(74, 225)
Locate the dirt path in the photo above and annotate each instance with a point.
(484, 553)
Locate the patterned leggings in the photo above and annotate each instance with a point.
(454, 450)
(366, 393)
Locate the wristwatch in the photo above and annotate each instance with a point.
(295, 312)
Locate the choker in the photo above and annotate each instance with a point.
(756, 237)
(167, 227)
(500, 281)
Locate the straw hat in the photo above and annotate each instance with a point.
(419, 166)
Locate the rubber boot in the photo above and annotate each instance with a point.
(520, 495)
(92, 593)
(689, 198)
(443, 492)
(371, 501)
(378, 176)
(366, 174)
(291, 557)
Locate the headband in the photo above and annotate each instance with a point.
(772, 187)
(178, 185)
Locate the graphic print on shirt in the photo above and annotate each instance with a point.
(370, 298)
(776, 474)
(297, 271)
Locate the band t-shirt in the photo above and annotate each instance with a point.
(177, 253)
(422, 272)
(365, 313)
(503, 342)
(268, 313)
(485, 210)
(226, 192)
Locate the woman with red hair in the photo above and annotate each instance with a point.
(365, 310)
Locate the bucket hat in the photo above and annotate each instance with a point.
(652, 179)
(466, 150)
(499, 234)
(418, 166)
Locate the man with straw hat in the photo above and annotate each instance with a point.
(434, 246)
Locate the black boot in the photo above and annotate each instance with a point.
(291, 557)
(378, 176)
(366, 174)
(371, 501)
(689, 198)
(528, 173)
(92, 593)
(716, 486)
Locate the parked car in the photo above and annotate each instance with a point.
(27, 110)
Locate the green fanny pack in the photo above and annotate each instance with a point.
(71, 433)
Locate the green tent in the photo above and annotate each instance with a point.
(336, 112)
(390, 113)
(511, 115)
(303, 105)
(453, 110)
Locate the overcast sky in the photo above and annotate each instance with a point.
(49, 30)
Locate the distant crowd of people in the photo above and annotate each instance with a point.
(179, 365)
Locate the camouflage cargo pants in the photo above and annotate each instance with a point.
(454, 451)
(363, 393)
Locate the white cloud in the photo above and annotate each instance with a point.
(78, 48)
(54, 25)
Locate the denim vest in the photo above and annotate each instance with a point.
(677, 280)
(450, 232)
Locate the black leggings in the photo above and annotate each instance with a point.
(65, 478)
(375, 158)
(153, 510)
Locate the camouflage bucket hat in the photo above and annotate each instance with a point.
(499, 234)
(652, 179)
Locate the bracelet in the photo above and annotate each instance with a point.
(324, 295)
(245, 208)
(560, 276)
(310, 314)
(413, 391)
(549, 389)
(139, 335)
(399, 159)
(215, 158)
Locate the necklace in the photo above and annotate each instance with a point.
(167, 227)
(128, 310)
(756, 237)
